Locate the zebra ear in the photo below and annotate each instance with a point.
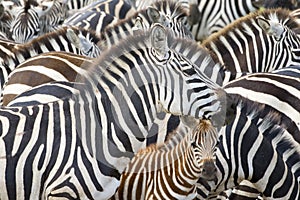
(159, 39)
(79, 42)
(156, 17)
(72, 37)
(194, 15)
(272, 28)
(153, 14)
(138, 24)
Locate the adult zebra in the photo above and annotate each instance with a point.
(44, 68)
(63, 66)
(54, 16)
(31, 19)
(87, 43)
(68, 39)
(95, 128)
(214, 15)
(25, 24)
(259, 42)
(277, 92)
(259, 150)
(98, 15)
(171, 170)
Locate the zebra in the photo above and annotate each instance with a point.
(68, 39)
(61, 64)
(289, 4)
(167, 12)
(25, 24)
(272, 91)
(93, 20)
(171, 170)
(116, 9)
(88, 141)
(77, 4)
(279, 91)
(54, 16)
(212, 16)
(89, 43)
(5, 22)
(260, 42)
(31, 18)
(259, 150)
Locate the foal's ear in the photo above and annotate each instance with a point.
(270, 27)
(159, 39)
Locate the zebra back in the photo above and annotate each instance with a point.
(98, 15)
(44, 68)
(185, 159)
(279, 91)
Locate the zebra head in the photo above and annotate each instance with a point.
(184, 90)
(281, 25)
(170, 14)
(145, 68)
(205, 138)
(85, 46)
(25, 25)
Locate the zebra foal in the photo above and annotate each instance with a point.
(170, 171)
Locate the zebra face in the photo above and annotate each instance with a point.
(204, 141)
(25, 26)
(173, 17)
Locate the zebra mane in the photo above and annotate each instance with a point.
(281, 15)
(198, 54)
(140, 39)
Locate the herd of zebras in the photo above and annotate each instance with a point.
(145, 99)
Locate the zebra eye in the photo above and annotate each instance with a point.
(194, 145)
(36, 32)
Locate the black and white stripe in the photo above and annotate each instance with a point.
(96, 127)
(68, 39)
(258, 150)
(171, 170)
(260, 42)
